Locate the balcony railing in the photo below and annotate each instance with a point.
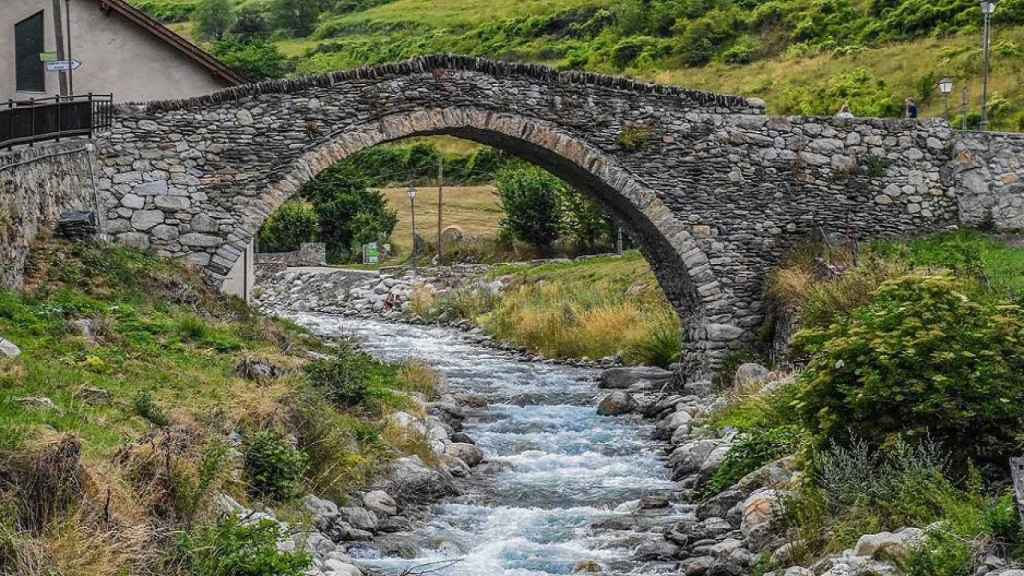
(39, 119)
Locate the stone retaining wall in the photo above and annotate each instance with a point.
(37, 185)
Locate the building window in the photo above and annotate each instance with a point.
(28, 44)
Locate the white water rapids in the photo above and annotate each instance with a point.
(566, 468)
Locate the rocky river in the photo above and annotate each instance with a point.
(561, 488)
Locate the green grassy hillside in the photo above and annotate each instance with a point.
(802, 56)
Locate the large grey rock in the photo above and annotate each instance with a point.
(616, 404)
(410, 481)
(750, 373)
(380, 503)
(468, 453)
(622, 378)
(656, 549)
(889, 545)
(8, 349)
(319, 507)
(358, 517)
(759, 511)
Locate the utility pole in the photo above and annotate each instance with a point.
(58, 37)
(987, 8)
(71, 72)
(412, 208)
(440, 206)
(963, 108)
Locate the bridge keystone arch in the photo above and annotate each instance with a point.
(714, 191)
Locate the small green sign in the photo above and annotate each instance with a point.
(371, 253)
(47, 56)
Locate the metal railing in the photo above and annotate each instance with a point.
(53, 118)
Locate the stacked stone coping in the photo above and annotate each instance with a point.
(715, 195)
(441, 62)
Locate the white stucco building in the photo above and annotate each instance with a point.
(123, 51)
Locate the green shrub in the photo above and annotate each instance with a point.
(213, 18)
(634, 138)
(350, 377)
(584, 222)
(921, 360)
(752, 451)
(256, 59)
(348, 210)
(273, 467)
(288, 227)
(530, 200)
(233, 548)
(146, 407)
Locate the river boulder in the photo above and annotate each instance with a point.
(616, 404)
(468, 453)
(360, 518)
(378, 502)
(626, 377)
(410, 481)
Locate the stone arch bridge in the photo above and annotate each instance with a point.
(713, 190)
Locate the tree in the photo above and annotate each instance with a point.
(530, 199)
(584, 220)
(288, 227)
(295, 17)
(213, 18)
(251, 25)
(348, 210)
(256, 59)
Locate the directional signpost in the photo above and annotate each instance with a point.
(63, 65)
(48, 57)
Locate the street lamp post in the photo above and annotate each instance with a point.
(987, 8)
(946, 88)
(412, 208)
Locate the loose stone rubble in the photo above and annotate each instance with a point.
(728, 533)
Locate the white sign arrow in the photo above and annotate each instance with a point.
(63, 65)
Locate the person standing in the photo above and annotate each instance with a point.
(844, 112)
(910, 108)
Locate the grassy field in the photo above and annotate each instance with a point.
(115, 419)
(607, 306)
(476, 210)
(808, 78)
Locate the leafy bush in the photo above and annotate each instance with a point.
(348, 210)
(213, 18)
(256, 59)
(288, 227)
(530, 200)
(753, 450)
(146, 407)
(921, 360)
(866, 95)
(274, 468)
(351, 377)
(584, 222)
(295, 17)
(233, 548)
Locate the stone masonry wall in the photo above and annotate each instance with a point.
(989, 168)
(37, 185)
(714, 191)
